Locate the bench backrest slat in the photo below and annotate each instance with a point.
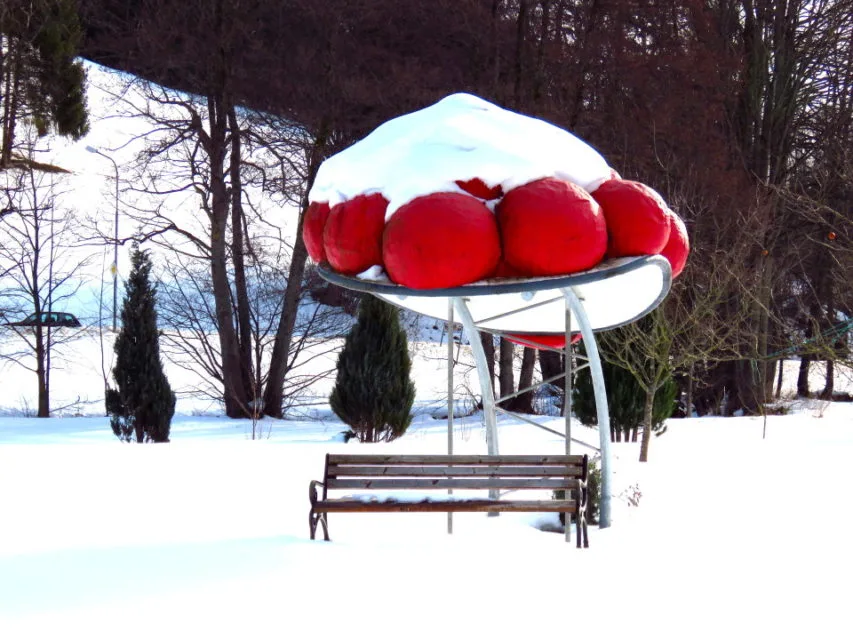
(390, 472)
(451, 483)
(491, 470)
(447, 460)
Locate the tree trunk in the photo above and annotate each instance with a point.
(803, 377)
(520, 42)
(524, 402)
(829, 303)
(238, 245)
(488, 342)
(576, 102)
(497, 21)
(506, 378)
(829, 388)
(10, 107)
(41, 374)
(764, 384)
(779, 375)
(647, 425)
(550, 364)
(236, 401)
(544, 38)
(274, 392)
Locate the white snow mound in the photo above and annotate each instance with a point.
(459, 138)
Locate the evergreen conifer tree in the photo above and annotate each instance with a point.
(143, 403)
(373, 392)
(625, 399)
(40, 79)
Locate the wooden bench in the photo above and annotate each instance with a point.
(364, 474)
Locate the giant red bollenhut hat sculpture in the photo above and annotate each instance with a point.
(464, 191)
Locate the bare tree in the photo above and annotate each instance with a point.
(38, 272)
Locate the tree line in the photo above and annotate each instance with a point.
(737, 111)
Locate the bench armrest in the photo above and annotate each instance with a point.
(312, 491)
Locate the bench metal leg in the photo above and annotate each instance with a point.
(313, 519)
(578, 530)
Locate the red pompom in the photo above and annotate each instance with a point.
(312, 230)
(480, 189)
(678, 246)
(505, 270)
(353, 235)
(637, 223)
(553, 340)
(551, 227)
(441, 240)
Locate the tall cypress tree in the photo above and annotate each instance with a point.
(373, 392)
(143, 403)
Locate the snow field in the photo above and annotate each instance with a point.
(734, 536)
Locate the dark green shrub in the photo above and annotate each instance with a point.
(625, 399)
(373, 392)
(121, 423)
(664, 405)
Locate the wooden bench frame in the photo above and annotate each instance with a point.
(367, 473)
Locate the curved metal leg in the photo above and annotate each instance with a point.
(486, 391)
(602, 412)
(451, 405)
(318, 518)
(482, 373)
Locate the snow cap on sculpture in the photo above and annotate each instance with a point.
(464, 190)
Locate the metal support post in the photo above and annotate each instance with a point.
(602, 413)
(450, 403)
(567, 402)
(486, 391)
(567, 381)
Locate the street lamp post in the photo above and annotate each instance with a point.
(115, 236)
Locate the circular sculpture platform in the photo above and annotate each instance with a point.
(614, 293)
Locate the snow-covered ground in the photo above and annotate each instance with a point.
(723, 534)
(734, 536)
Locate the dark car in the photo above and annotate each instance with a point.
(47, 319)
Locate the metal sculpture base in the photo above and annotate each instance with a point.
(613, 294)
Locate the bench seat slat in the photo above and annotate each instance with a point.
(346, 505)
(451, 483)
(450, 460)
(337, 471)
